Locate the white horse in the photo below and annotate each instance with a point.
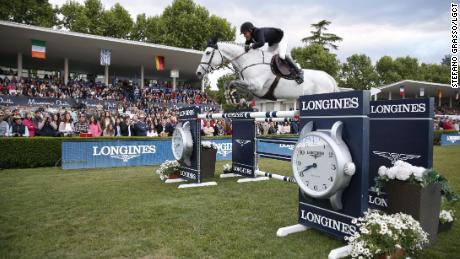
(256, 75)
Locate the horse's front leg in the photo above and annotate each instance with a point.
(235, 90)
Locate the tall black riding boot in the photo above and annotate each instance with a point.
(299, 71)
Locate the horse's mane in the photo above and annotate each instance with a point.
(232, 43)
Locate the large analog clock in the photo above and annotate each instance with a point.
(182, 143)
(322, 163)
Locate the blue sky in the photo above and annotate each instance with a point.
(375, 28)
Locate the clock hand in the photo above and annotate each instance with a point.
(308, 168)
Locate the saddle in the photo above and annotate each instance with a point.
(282, 69)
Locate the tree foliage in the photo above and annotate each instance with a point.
(33, 12)
(314, 56)
(320, 37)
(358, 73)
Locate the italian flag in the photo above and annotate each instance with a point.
(160, 63)
(38, 49)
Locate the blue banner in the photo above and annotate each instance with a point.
(450, 139)
(93, 154)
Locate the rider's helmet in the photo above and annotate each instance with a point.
(247, 27)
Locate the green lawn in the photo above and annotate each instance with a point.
(128, 212)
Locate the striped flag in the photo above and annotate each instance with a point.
(38, 49)
(422, 92)
(160, 63)
(401, 91)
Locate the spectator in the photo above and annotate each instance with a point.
(28, 122)
(219, 128)
(169, 128)
(48, 127)
(125, 127)
(17, 128)
(4, 126)
(109, 131)
(139, 127)
(285, 129)
(66, 126)
(272, 129)
(208, 130)
(81, 126)
(94, 127)
(152, 132)
(117, 127)
(157, 125)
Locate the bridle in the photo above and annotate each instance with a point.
(209, 68)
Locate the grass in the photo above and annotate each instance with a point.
(128, 212)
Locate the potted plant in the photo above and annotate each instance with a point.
(208, 158)
(382, 235)
(446, 219)
(415, 191)
(168, 170)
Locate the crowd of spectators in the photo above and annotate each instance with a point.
(447, 118)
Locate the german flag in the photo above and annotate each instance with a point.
(38, 49)
(160, 63)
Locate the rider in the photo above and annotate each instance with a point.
(276, 41)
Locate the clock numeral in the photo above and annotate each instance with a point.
(307, 183)
(325, 186)
(315, 187)
(331, 154)
(333, 167)
(302, 152)
(301, 174)
(331, 179)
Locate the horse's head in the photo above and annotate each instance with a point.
(211, 59)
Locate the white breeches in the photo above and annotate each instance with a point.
(279, 48)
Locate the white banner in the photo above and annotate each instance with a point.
(105, 57)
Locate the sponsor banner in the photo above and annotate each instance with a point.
(243, 147)
(95, 154)
(399, 130)
(284, 147)
(334, 223)
(35, 101)
(405, 108)
(450, 139)
(337, 104)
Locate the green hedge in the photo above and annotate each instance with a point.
(41, 151)
(437, 135)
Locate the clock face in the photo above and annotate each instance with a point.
(315, 165)
(178, 144)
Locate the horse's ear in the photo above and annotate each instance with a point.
(212, 42)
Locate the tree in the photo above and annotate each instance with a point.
(434, 73)
(187, 25)
(94, 12)
(407, 67)
(32, 12)
(386, 70)
(314, 56)
(117, 22)
(358, 73)
(320, 37)
(73, 17)
(140, 28)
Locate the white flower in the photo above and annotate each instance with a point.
(418, 172)
(383, 170)
(403, 173)
(392, 171)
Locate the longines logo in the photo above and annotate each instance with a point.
(328, 222)
(453, 139)
(187, 113)
(315, 154)
(35, 102)
(242, 142)
(288, 146)
(125, 158)
(242, 170)
(393, 157)
(331, 104)
(124, 153)
(224, 149)
(398, 108)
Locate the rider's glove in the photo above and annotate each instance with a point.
(247, 47)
